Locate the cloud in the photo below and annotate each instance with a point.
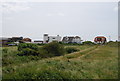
(56, 14)
(61, 14)
(60, 0)
(115, 8)
(8, 7)
(49, 14)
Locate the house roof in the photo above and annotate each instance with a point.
(64, 39)
(17, 37)
(100, 37)
(77, 37)
(26, 39)
(70, 39)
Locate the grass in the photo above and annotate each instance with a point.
(11, 58)
(91, 62)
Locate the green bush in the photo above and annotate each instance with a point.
(113, 44)
(40, 44)
(43, 53)
(22, 46)
(5, 50)
(71, 49)
(53, 49)
(28, 51)
(88, 43)
(48, 50)
(69, 43)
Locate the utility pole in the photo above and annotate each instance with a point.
(118, 38)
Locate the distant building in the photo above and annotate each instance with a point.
(16, 39)
(100, 40)
(75, 39)
(4, 41)
(38, 42)
(48, 39)
(26, 40)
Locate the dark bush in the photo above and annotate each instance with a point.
(43, 53)
(48, 50)
(28, 51)
(71, 49)
(40, 44)
(53, 49)
(22, 46)
(88, 43)
(70, 43)
(5, 50)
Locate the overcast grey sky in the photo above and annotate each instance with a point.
(85, 19)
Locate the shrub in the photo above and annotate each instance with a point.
(48, 50)
(54, 49)
(5, 50)
(71, 49)
(28, 51)
(22, 46)
(40, 44)
(88, 43)
(113, 44)
(43, 53)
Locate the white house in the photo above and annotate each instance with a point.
(75, 39)
(48, 39)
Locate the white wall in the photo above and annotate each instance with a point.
(45, 38)
(54, 38)
(77, 40)
(51, 38)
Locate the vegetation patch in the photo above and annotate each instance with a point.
(71, 50)
(100, 63)
(22, 46)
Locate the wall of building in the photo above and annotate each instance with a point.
(48, 39)
(71, 40)
(77, 40)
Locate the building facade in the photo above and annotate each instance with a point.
(72, 39)
(16, 39)
(48, 39)
(4, 41)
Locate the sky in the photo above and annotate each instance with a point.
(84, 19)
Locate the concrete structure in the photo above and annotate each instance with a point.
(48, 39)
(100, 40)
(75, 39)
